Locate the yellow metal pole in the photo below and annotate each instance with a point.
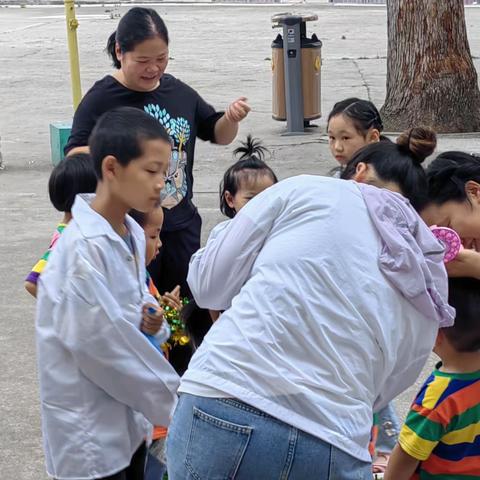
(72, 25)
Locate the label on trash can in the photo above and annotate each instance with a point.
(291, 35)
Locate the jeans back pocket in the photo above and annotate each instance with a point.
(215, 447)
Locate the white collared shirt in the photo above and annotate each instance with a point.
(102, 384)
(313, 333)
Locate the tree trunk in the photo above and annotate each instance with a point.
(431, 79)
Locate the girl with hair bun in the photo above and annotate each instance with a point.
(396, 167)
(310, 342)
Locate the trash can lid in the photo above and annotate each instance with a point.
(287, 17)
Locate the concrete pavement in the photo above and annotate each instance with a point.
(222, 51)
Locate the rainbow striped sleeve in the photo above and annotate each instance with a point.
(423, 429)
(442, 429)
(38, 268)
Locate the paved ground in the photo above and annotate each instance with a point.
(227, 56)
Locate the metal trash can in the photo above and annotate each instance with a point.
(296, 73)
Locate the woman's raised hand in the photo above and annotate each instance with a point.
(237, 110)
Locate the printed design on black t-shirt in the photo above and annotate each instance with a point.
(179, 131)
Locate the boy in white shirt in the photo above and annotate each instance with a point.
(102, 384)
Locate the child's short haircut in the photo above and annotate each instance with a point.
(139, 217)
(142, 217)
(121, 132)
(464, 296)
(73, 175)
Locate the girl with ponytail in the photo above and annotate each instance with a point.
(352, 124)
(246, 178)
(242, 181)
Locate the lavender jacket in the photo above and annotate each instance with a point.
(411, 256)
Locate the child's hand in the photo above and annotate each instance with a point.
(172, 299)
(31, 288)
(237, 110)
(152, 319)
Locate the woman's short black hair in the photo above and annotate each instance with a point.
(363, 114)
(464, 296)
(250, 165)
(448, 174)
(121, 132)
(73, 175)
(399, 163)
(136, 26)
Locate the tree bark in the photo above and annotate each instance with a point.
(431, 79)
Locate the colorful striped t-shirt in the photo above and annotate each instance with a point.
(40, 265)
(442, 429)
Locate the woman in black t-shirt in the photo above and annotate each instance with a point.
(139, 50)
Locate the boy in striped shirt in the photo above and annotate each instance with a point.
(441, 436)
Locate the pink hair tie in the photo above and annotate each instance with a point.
(450, 240)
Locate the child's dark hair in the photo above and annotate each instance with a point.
(464, 296)
(399, 162)
(137, 25)
(142, 217)
(448, 174)
(363, 114)
(121, 132)
(249, 166)
(139, 217)
(73, 175)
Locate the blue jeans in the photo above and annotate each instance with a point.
(222, 439)
(155, 469)
(388, 429)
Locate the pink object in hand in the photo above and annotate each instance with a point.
(451, 241)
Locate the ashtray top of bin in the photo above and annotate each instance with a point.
(291, 18)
